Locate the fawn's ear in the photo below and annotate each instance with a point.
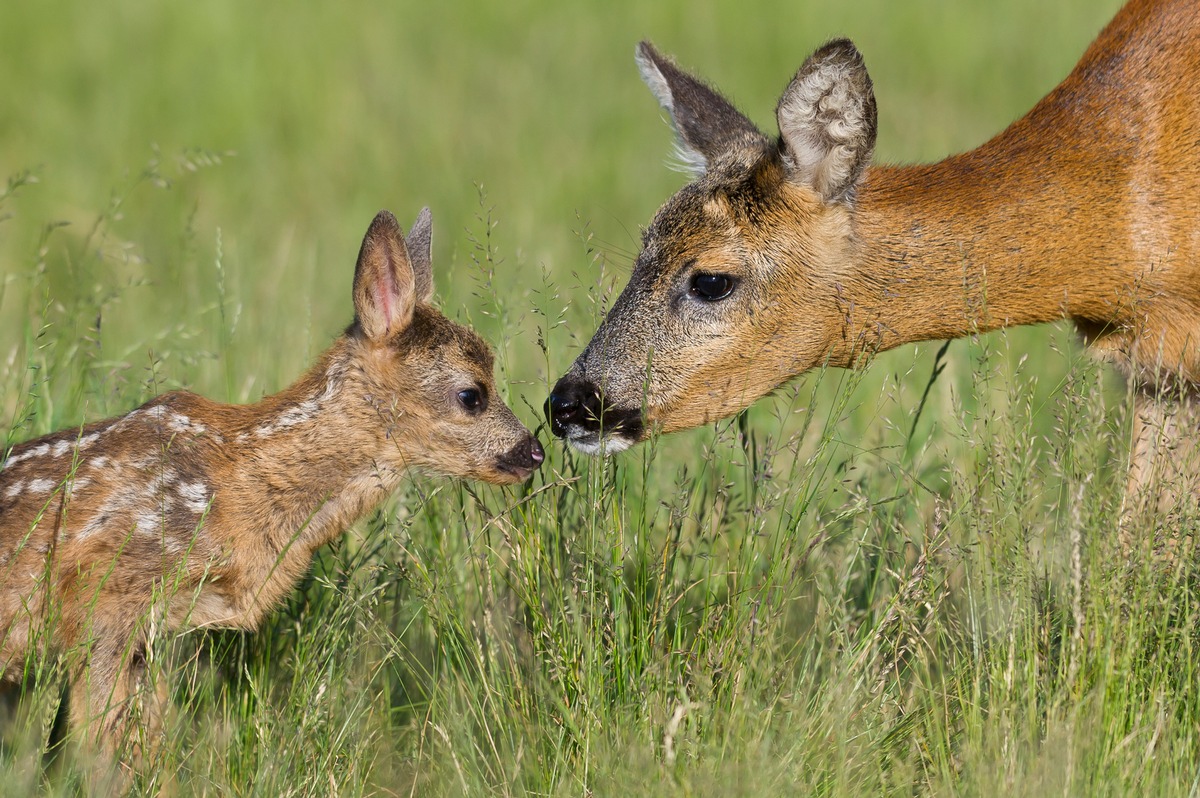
(827, 121)
(707, 124)
(420, 253)
(384, 285)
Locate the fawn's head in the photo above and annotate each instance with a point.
(735, 288)
(428, 379)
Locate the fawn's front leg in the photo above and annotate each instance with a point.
(113, 706)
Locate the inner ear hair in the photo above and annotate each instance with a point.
(383, 279)
(828, 121)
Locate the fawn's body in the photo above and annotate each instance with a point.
(790, 253)
(192, 512)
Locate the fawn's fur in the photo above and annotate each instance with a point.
(187, 512)
(1086, 208)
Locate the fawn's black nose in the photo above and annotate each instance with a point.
(574, 402)
(524, 458)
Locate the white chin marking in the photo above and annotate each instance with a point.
(602, 446)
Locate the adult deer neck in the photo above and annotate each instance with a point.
(1033, 226)
(1004, 235)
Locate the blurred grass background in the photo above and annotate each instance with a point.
(827, 595)
(323, 114)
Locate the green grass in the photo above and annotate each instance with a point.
(827, 595)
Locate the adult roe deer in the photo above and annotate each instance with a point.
(187, 512)
(789, 253)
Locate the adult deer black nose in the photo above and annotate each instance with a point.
(574, 403)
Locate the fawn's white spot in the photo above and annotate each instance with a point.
(93, 526)
(305, 411)
(29, 454)
(194, 495)
(14, 490)
(308, 409)
(148, 523)
(183, 425)
(171, 420)
(54, 450)
(110, 511)
(140, 505)
(162, 481)
(39, 486)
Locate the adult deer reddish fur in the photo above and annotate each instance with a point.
(187, 512)
(789, 253)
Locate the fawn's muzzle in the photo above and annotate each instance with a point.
(523, 459)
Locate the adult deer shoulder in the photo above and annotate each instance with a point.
(187, 512)
(787, 253)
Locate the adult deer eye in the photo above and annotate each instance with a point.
(711, 287)
(473, 400)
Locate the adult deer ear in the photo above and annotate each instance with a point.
(420, 253)
(827, 121)
(708, 126)
(384, 284)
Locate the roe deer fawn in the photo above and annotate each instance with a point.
(789, 253)
(186, 512)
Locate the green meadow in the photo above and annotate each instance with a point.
(902, 580)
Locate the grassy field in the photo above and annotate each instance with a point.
(832, 594)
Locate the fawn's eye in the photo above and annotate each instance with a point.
(711, 287)
(473, 400)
